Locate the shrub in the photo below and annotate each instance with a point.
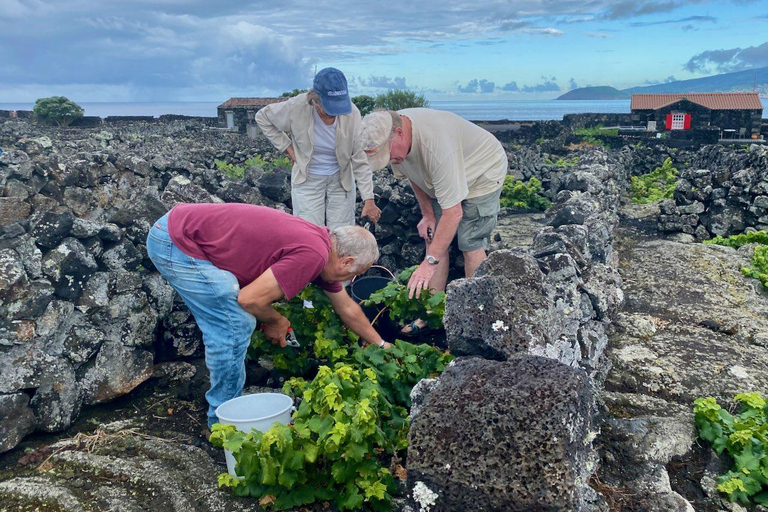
(744, 437)
(365, 103)
(518, 194)
(295, 92)
(352, 419)
(656, 185)
(759, 268)
(397, 99)
(58, 109)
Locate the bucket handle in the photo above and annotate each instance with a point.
(380, 267)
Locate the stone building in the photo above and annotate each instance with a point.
(736, 115)
(237, 113)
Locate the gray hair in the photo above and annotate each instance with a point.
(313, 98)
(357, 242)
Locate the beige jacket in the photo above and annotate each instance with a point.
(295, 116)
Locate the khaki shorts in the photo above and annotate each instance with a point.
(478, 221)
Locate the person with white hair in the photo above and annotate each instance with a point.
(456, 170)
(230, 262)
(325, 151)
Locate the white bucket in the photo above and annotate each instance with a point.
(258, 412)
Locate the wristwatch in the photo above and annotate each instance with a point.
(432, 260)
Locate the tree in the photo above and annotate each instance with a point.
(397, 99)
(364, 103)
(291, 94)
(59, 109)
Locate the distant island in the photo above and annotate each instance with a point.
(604, 92)
(749, 80)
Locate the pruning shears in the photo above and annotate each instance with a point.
(290, 338)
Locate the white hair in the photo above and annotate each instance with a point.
(355, 242)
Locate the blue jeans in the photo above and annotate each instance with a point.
(211, 295)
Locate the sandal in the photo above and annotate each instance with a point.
(416, 330)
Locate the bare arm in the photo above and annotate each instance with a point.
(353, 317)
(257, 299)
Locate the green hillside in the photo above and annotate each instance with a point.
(604, 92)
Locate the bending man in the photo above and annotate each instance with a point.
(456, 170)
(230, 262)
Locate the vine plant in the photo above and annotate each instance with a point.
(744, 437)
(759, 268)
(353, 415)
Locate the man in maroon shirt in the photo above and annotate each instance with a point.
(230, 262)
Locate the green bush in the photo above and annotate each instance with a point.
(295, 92)
(397, 99)
(322, 334)
(364, 103)
(58, 109)
(759, 268)
(656, 185)
(589, 135)
(229, 170)
(745, 438)
(518, 194)
(238, 171)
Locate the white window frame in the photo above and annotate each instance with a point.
(678, 121)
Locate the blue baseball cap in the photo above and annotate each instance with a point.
(331, 85)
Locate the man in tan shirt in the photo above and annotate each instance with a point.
(456, 170)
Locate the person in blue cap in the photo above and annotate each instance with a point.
(318, 130)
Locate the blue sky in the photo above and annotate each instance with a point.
(208, 50)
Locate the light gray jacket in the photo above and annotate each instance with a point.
(295, 116)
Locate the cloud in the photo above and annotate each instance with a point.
(667, 80)
(549, 85)
(511, 86)
(689, 19)
(572, 84)
(383, 82)
(599, 35)
(478, 86)
(726, 61)
(548, 32)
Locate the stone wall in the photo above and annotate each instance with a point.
(722, 192)
(492, 432)
(81, 311)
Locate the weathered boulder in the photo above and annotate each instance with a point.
(16, 419)
(513, 436)
(495, 317)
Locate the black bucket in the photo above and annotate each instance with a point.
(361, 289)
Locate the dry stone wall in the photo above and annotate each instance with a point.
(723, 192)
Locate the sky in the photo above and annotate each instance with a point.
(210, 50)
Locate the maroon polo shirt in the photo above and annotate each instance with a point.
(247, 240)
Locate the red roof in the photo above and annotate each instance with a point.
(249, 102)
(712, 100)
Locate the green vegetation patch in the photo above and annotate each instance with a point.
(589, 135)
(353, 418)
(238, 171)
(527, 195)
(744, 437)
(656, 185)
(759, 268)
(562, 162)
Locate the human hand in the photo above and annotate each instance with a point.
(420, 279)
(291, 154)
(426, 227)
(276, 331)
(371, 211)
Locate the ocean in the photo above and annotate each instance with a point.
(489, 110)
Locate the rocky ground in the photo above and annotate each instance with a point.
(598, 312)
(691, 326)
